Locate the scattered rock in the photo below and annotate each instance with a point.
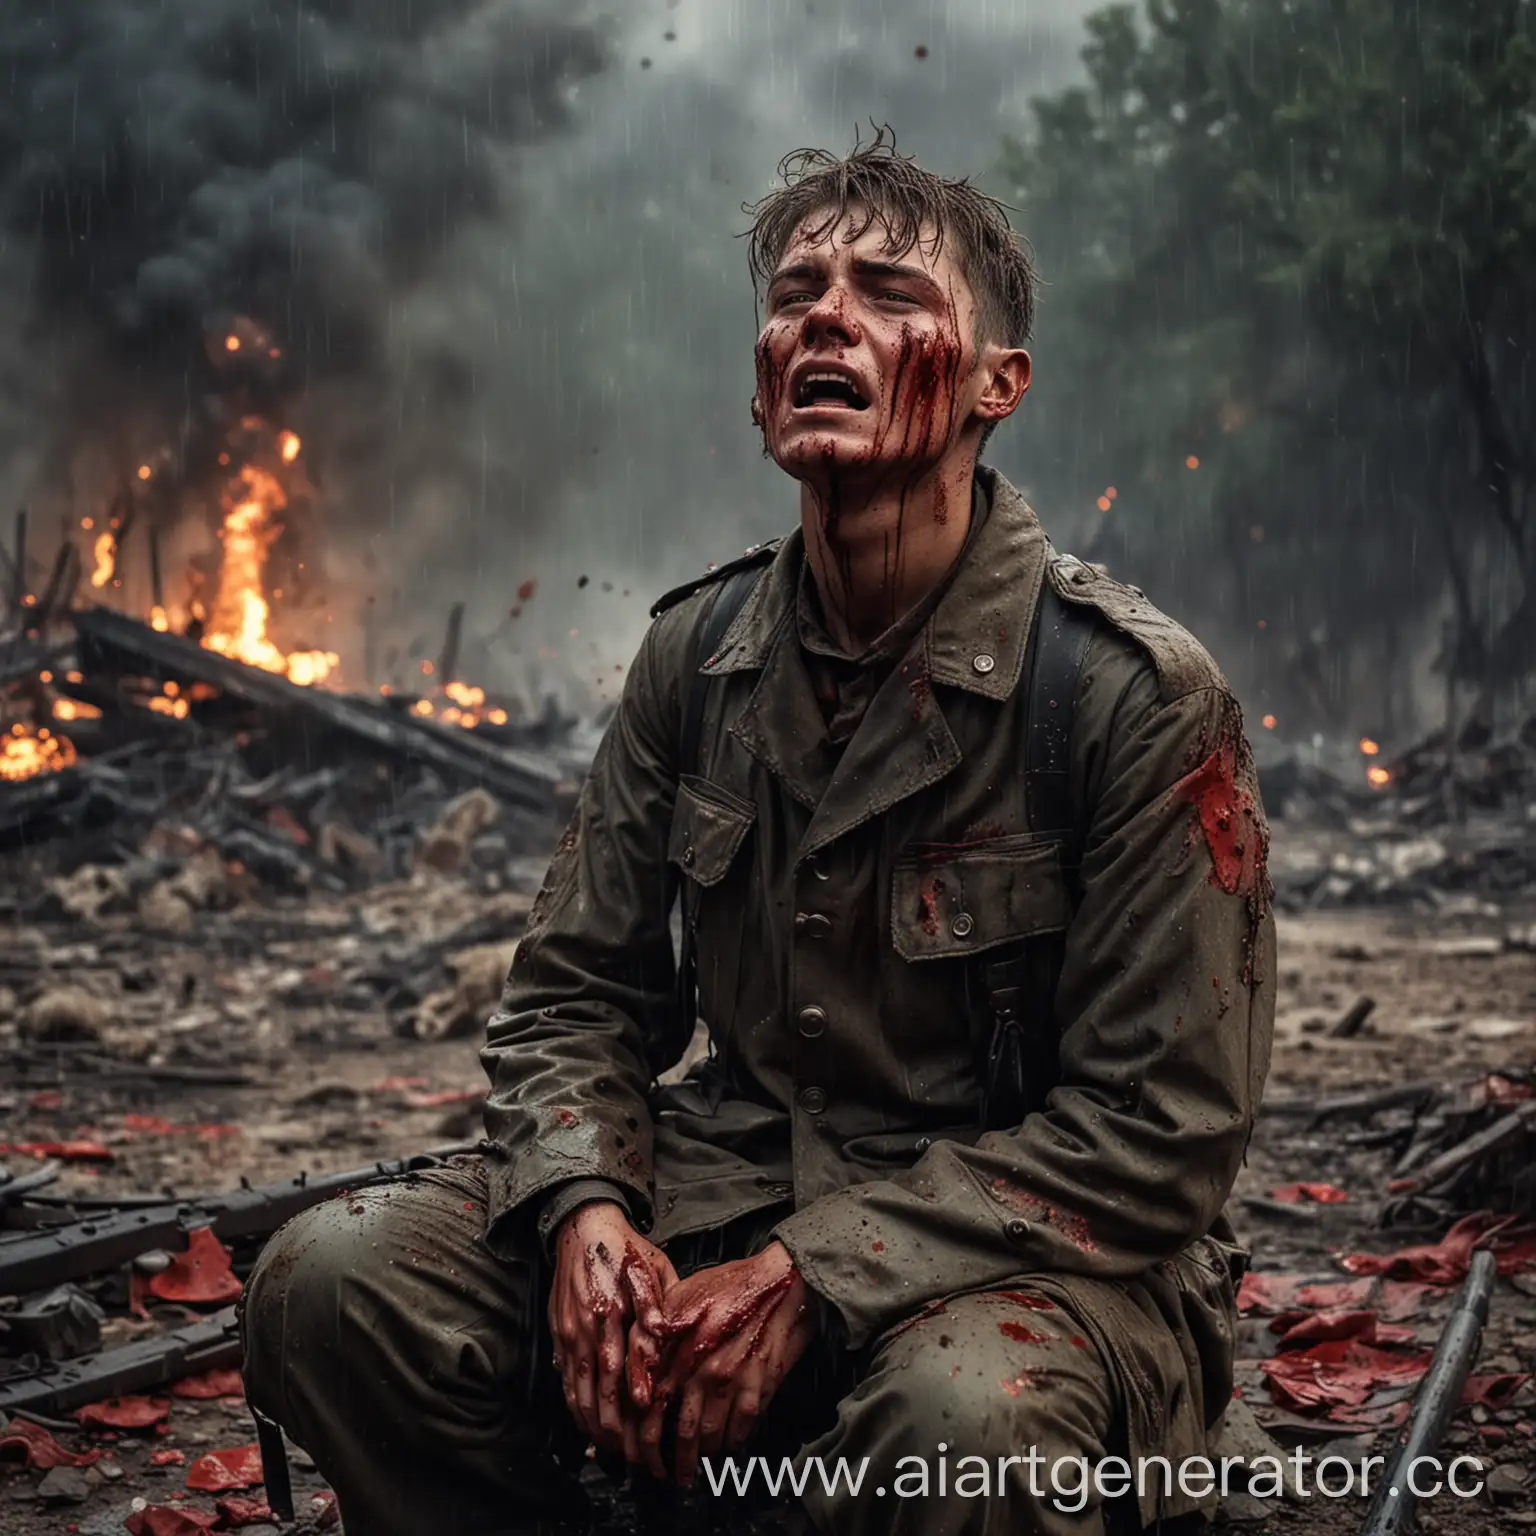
(64, 1013)
(64, 1485)
(1505, 1484)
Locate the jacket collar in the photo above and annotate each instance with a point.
(985, 613)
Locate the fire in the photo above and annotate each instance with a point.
(237, 626)
(231, 343)
(1377, 776)
(74, 709)
(290, 445)
(26, 752)
(1270, 722)
(158, 620)
(1369, 747)
(105, 550)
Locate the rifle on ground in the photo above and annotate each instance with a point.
(50, 1255)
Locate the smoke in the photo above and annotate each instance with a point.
(294, 173)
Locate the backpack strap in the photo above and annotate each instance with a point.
(728, 602)
(1020, 982)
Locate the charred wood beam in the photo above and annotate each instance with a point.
(1506, 1128)
(112, 640)
(448, 662)
(60, 589)
(156, 584)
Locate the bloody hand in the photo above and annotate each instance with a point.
(607, 1277)
(732, 1332)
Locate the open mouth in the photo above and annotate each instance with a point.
(829, 389)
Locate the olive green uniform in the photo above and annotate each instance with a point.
(1065, 1282)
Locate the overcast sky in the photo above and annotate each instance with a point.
(537, 384)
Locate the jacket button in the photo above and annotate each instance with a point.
(962, 925)
(1017, 1230)
(688, 856)
(983, 663)
(923, 1143)
(814, 925)
(812, 1100)
(812, 1021)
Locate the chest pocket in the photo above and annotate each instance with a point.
(709, 825)
(950, 900)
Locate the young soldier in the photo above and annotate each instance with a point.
(976, 913)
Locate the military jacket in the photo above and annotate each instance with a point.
(844, 898)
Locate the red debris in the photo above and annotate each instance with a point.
(1316, 1327)
(125, 1413)
(202, 1273)
(1264, 1294)
(235, 1512)
(1448, 1261)
(1326, 1294)
(32, 1446)
(154, 1125)
(69, 1151)
(1321, 1194)
(167, 1458)
(1501, 1092)
(1338, 1373)
(238, 1467)
(161, 1520)
(210, 1384)
(1494, 1392)
(46, 1099)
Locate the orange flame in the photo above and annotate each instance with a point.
(74, 709)
(1369, 747)
(27, 752)
(237, 626)
(289, 444)
(1378, 776)
(106, 558)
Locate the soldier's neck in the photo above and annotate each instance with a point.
(875, 555)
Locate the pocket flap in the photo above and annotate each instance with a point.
(708, 825)
(958, 899)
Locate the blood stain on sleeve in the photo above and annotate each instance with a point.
(1022, 1335)
(1220, 790)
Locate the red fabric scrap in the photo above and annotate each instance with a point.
(1264, 1294)
(32, 1446)
(235, 1512)
(1448, 1261)
(202, 1273)
(161, 1520)
(210, 1384)
(1327, 1294)
(69, 1151)
(125, 1413)
(1319, 1194)
(45, 1100)
(168, 1458)
(1338, 1373)
(1493, 1391)
(1316, 1327)
(1501, 1092)
(237, 1467)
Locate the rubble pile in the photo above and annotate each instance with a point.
(1445, 825)
(140, 762)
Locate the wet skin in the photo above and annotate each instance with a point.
(886, 476)
(885, 458)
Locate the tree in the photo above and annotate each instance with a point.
(1295, 240)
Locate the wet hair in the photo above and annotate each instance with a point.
(894, 191)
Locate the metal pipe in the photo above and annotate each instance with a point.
(1395, 1504)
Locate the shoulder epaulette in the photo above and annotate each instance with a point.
(758, 554)
(1182, 663)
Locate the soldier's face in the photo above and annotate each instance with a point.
(866, 363)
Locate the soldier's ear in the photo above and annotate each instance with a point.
(1008, 372)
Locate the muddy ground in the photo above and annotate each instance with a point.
(321, 1009)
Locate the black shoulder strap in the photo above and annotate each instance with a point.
(727, 604)
(1021, 982)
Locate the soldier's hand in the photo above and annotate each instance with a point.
(732, 1333)
(607, 1277)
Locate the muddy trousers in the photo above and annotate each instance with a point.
(399, 1352)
